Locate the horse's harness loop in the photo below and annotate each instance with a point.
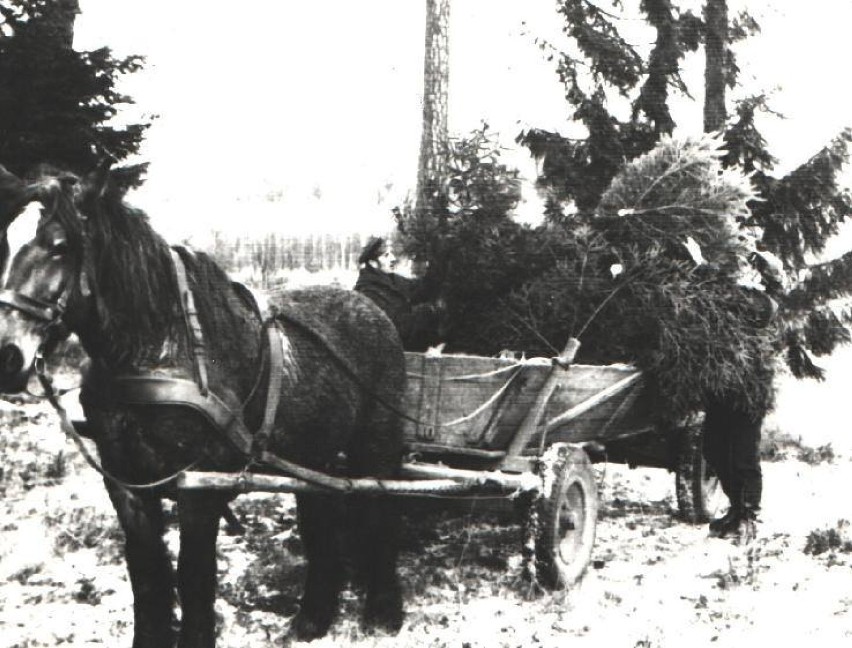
(39, 365)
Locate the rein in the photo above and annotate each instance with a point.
(71, 432)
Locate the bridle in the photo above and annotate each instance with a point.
(50, 314)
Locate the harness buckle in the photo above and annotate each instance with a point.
(39, 363)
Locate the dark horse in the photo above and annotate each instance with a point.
(91, 265)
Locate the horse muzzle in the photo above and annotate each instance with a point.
(20, 343)
(14, 371)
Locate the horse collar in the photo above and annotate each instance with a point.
(159, 390)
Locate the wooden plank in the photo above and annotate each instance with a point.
(431, 400)
(602, 396)
(459, 399)
(455, 451)
(531, 420)
(612, 414)
(454, 398)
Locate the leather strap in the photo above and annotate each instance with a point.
(31, 306)
(273, 393)
(193, 326)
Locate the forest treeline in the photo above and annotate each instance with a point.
(266, 259)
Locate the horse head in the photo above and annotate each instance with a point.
(40, 289)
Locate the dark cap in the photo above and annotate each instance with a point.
(372, 250)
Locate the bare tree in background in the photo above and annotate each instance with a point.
(432, 166)
(715, 71)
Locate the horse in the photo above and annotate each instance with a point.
(320, 385)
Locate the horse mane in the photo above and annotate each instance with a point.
(130, 269)
(224, 312)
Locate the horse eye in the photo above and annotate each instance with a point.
(58, 247)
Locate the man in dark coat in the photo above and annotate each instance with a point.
(405, 301)
(731, 431)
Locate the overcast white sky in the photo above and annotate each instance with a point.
(319, 101)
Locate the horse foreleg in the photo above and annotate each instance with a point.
(199, 524)
(318, 529)
(149, 567)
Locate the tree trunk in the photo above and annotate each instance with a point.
(432, 166)
(63, 17)
(715, 71)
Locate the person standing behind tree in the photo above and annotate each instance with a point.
(404, 300)
(732, 431)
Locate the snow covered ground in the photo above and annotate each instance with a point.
(654, 580)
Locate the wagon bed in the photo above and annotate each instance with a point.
(463, 405)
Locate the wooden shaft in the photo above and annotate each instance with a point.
(247, 482)
(425, 480)
(473, 478)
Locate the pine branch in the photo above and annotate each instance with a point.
(802, 210)
(824, 282)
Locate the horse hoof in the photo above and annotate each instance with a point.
(307, 628)
(385, 616)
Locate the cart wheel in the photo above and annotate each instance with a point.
(568, 513)
(699, 493)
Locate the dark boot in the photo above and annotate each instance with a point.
(746, 530)
(723, 525)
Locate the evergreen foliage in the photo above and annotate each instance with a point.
(56, 103)
(620, 279)
(792, 216)
(579, 170)
(475, 250)
(626, 284)
(626, 209)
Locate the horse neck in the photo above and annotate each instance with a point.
(230, 328)
(98, 330)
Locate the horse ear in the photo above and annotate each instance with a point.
(111, 182)
(14, 194)
(128, 177)
(97, 182)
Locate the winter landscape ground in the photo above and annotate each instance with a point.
(654, 580)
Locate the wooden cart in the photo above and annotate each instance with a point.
(527, 429)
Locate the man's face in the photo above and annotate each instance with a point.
(386, 260)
